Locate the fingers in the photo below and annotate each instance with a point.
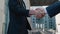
(40, 13)
(40, 16)
(41, 10)
(32, 12)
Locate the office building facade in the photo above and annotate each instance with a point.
(43, 23)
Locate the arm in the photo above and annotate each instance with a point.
(53, 9)
(15, 7)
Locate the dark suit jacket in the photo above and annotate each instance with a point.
(53, 9)
(18, 18)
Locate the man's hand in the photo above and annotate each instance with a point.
(41, 12)
(38, 12)
(33, 12)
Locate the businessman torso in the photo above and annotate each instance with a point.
(18, 18)
(53, 9)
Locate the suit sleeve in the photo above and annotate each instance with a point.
(15, 7)
(53, 9)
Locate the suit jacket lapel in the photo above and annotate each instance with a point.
(21, 3)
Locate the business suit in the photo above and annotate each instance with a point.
(18, 18)
(53, 9)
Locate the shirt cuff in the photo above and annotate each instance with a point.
(45, 10)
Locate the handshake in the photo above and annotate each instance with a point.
(38, 12)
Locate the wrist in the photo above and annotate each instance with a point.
(32, 12)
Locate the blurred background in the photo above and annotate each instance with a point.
(45, 25)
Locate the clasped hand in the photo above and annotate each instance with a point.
(38, 12)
